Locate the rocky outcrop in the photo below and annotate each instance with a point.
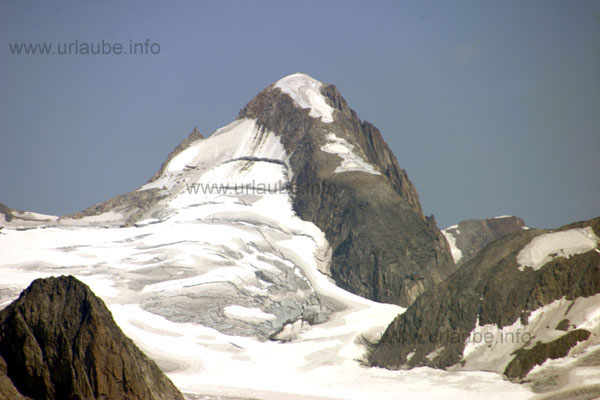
(383, 248)
(59, 341)
(132, 205)
(493, 290)
(6, 212)
(526, 359)
(469, 237)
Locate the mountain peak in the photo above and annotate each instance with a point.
(306, 93)
(287, 137)
(60, 341)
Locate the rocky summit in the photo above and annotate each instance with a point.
(59, 341)
(383, 248)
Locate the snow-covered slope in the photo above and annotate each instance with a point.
(219, 281)
(548, 246)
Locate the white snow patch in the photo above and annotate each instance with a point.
(431, 356)
(350, 161)
(225, 274)
(291, 330)
(247, 314)
(305, 91)
(489, 348)
(182, 159)
(546, 247)
(199, 162)
(29, 215)
(451, 239)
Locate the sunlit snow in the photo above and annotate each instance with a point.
(305, 91)
(451, 239)
(546, 247)
(350, 160)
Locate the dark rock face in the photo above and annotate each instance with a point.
(472, 235)
(492, 288)
(8, 391)
(59, 341)
(383, 248)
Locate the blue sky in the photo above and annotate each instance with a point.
(492, 107)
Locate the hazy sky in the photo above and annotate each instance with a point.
(492, 107)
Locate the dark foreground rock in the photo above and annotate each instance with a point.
(59, 341)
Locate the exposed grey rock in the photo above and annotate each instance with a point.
(132, 205)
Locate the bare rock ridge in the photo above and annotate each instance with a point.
(383, 248)
(59, 341)
(494, 289)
